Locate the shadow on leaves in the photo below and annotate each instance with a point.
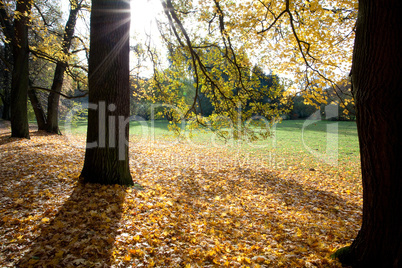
(83, 231)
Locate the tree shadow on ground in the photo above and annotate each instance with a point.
(347, 128)
(287, 191)
(302, 219)
(48, 218)
(83, 231)
(5, 132)
(5, 139)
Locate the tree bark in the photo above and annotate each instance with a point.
(377, 88)
(20, 75)
(61, 66)
(106, 156)
(38, 110)
(6, 95)
(7, 79)
(6, 110)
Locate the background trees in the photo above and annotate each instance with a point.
(290, 38)
(5, 80)
(61, 66)
(58, 45)
(48, 44)
(16, 59)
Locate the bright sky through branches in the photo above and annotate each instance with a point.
(143, 25)
(143, 14)
(144, 31)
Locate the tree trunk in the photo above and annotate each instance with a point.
(106, 156)
(20, 76)
(7, 79)
(61, 66)
(6, 96)
(377, 88)
(37, 107)
(52, 124)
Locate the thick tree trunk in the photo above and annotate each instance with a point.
(20, 76)
(106, 156)
(53, 99)
(377, 87)
(38, 110)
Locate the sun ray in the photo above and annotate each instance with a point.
(143, 13)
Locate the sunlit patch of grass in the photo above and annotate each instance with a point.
(299, 144)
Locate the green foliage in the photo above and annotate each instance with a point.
(74, 115)
(301, 109)
(31, 113)
(340, 96)
(224, 95)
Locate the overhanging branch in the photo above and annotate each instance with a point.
(61, 94)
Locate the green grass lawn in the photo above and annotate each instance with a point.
(310, 144)
(297, 144)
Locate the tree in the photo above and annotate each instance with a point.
(20, 74)
(52, 124)
(5, 79)
(44, 26)
(269, 85)
(376, 81)
(343, 97)
(106, 155)
(37, 108)
(222, 84)
(8, 28)
(54, 49)
(7, 60)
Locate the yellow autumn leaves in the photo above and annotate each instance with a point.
(198, 207)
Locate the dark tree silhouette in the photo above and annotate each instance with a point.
(376, 80)
(20, 74)
(106, 156)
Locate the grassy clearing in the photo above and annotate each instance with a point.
(297, 144)
(288, 135)
(305, 145)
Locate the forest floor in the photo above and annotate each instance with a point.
(192, 206)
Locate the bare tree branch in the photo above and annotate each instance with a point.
(61, 94)
(5, 21)
(41, 14)
(8, 65)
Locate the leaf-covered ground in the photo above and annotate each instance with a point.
(196, 207)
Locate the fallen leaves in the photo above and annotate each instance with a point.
(198, 207)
